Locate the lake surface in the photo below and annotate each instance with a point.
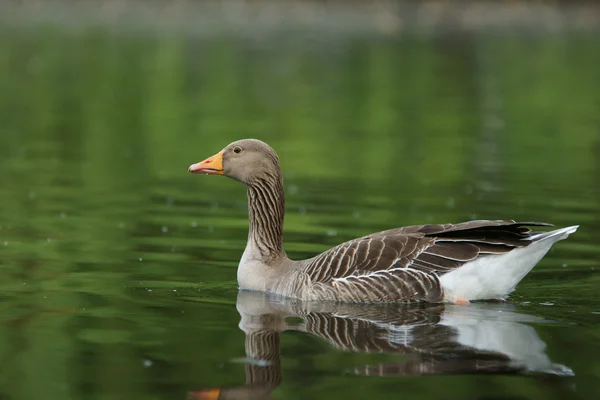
(118, 267)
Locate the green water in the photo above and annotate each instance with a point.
(118, 268)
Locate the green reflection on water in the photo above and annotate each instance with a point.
(119, 267)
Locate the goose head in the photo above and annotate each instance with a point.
(246, 161)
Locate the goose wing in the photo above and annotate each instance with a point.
(404, 264)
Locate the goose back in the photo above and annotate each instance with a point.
(405, 264)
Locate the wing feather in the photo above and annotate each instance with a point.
(405, 263)
(453, 251)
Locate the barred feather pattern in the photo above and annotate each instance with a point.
(266, 210)
(398, 265)
(405, 264)
(263, 349)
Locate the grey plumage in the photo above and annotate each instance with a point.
(404, 264)
(398, 265)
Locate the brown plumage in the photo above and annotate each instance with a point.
(403, 264)
(436, 262)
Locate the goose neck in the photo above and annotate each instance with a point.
(266, 209)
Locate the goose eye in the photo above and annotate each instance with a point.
(237, 150)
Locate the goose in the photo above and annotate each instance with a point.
(436, 263)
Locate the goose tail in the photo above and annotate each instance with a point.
(557, 234)
(496, 276)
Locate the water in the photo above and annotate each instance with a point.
(118, 267)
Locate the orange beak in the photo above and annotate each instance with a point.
(206, 394)
(211, 166)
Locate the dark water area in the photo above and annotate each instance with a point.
(118, 267)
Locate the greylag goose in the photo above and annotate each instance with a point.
(455, 263)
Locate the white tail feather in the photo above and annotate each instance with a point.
(495, 276)
(563, 233)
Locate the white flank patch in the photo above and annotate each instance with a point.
(495, 276)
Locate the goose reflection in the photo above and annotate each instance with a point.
(432, 338)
